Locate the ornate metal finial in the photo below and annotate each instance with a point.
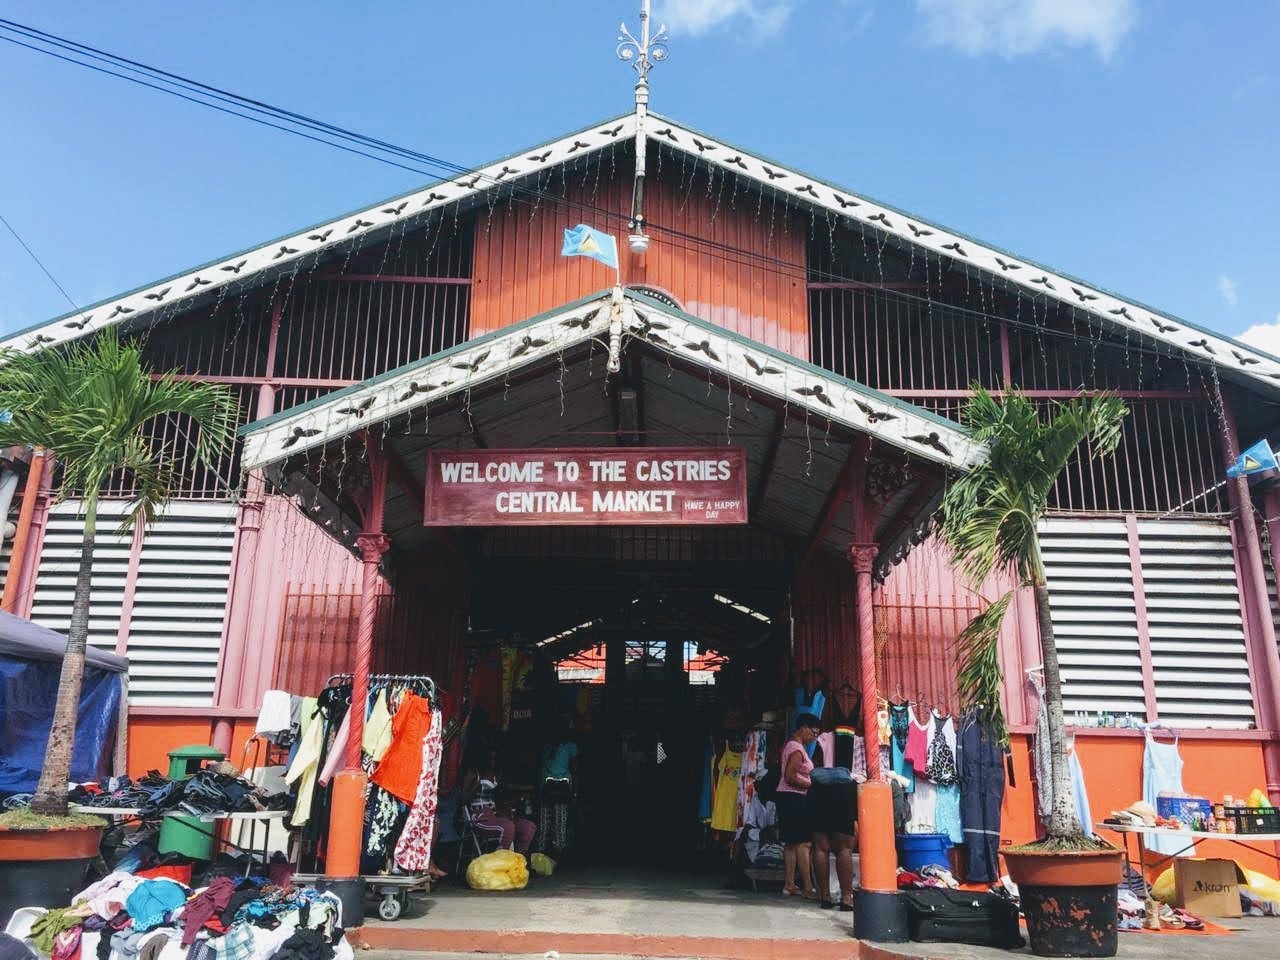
(644, 52)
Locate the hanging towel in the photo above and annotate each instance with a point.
(1079, 792)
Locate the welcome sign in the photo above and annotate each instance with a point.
(588, 486)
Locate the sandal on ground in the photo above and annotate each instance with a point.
(790, 891)
(827, 905)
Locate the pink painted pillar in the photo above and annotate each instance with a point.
(236, 658)
(1261, 634)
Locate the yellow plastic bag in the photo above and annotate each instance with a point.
(500, 870)
(1162, 889)
(542, 865)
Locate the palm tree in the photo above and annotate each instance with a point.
(989, 520)
(91, 404)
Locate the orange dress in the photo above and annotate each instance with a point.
(401, 766)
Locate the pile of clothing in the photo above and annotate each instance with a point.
(212, 790)
(930, 875)
(125, 917)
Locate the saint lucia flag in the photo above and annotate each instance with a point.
(582, 241)
(1254, 460)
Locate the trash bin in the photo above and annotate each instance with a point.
(189, 836)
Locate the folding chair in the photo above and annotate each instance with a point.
(477, 839)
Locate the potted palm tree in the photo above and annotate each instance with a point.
(1067, 881)
(91, 404)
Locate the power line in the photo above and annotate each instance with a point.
(39, 263)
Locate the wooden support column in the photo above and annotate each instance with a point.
(1261, 634)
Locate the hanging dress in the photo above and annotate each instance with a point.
(899, 729)
(1162, 773)
(724, 806)
(413, 852)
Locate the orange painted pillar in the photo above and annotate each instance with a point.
(879, 913)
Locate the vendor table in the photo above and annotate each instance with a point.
(1195, 836)
(253, 816)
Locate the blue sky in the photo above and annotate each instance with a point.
(1130, 142)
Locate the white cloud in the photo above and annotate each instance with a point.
(1227, 287)
(1014, 28)
(694, 17)
(1264, 336)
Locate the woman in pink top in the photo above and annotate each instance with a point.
(793, 815)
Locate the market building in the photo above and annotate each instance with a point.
(719, 465)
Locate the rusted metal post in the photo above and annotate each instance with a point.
(22, 536)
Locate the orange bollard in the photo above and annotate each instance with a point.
(346, 814)
(877, 853)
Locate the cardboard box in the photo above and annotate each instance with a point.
(1207, 888)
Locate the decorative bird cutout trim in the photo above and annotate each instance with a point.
(359, 409)
(919, 231)
(1163, 327)
(703, 147)
(540, 157)
(298, 434)
(397, 209)
(197, 282)
(473, 365)
(121, 309)
(761, 369)
(284, 251)
(703, 346)
(956, 247)
(930, 440)
(1007, 265)
(526, 344)
(237, 267)
(1203, 344)
(1084, 297)
(845, 202)
(1044, 281)
(416, 388)
(320, 237)
(358, 224)
(882, 218)
(580, 323)
(78, 324)
(873, 415)
(737, 162)
(817, 393)
(614, 131)
(771, 173)
(38, 340)
(577, 145)
(157, 297)
(1243, 360)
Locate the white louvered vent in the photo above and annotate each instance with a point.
(179, 601)
(56, 576)
(1094, 619)
(1197, 633)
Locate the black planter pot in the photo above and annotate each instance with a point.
(1071, 921)
(1069, 900)
(39, 883)
(44, 868)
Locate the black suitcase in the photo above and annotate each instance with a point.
(939, 915)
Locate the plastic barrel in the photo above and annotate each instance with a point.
(916, 850)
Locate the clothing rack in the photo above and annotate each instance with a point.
(338, 679)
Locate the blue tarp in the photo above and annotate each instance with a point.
(30, 664)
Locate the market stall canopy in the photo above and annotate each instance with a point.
(23, 640)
